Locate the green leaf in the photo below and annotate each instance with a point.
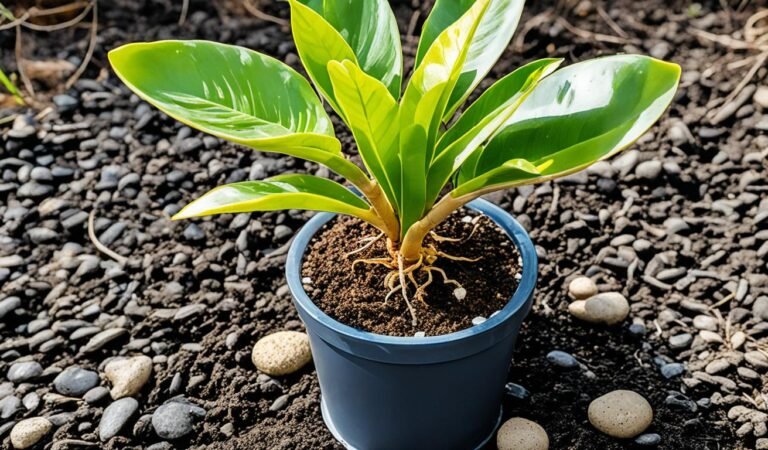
(370, 29)
(422, 106)
(372, 114)
(482, 119)
(235, 94)
(293, 191)
(582, 114)
(514, 170)
(488, 43)
(318, 43)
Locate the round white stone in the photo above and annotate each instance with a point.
(608, 308)
(521, 434)
(581, 288)
(128, 375)
(281, 353)
(28, 432)
(621, 414)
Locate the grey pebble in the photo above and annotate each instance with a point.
(9, 304)
(100, 340)
(517, 391)
(31, 401)
(23, 371)
(116, 416)
(562, 359)
(96, 395)
(280, 403)
(75, 381)
(680, 341)
(173, 420)
(648, 439)
(8, 406)
(672, 370)
(282, 232)
(194, 233)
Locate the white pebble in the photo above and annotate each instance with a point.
(306, 280)
(419, 334)
(621, 414)
(466, 219)
(521, 434)
(581, 288)
(28, 432)
(478, 320)
(460, 293)
(608, 308)
(128, 375)
(281, 353)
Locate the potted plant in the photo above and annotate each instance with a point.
(424, 159)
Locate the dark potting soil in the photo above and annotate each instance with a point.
(353, 292)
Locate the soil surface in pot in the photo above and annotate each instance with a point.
(353, 291)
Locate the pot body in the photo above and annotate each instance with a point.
(438, 392)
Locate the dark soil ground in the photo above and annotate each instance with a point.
(678, 224)
(352, 291)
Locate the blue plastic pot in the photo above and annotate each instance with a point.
(438, 392)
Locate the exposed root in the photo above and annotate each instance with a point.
(401, 277)
(371, 240)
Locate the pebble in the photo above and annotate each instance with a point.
(621, 414)
(96, 395)
(648, 170)
(194, 233)
(516, 391)
(174, 419)
(581, 288)
(281, 353)
(100, 340)
(757, 360)
(761, 97)
(282, 232)
(680, 341)
(562, 359)
(23, 371)
(280, 403)
(31, 401)
(521, 434)
(702, 322)
(9, 304)
(116, 417)
(648, 440)
(128, 375)
(8, 406)
(760, 308)
(672, 370)
(75, 381)
(29, 432)
(607, 308)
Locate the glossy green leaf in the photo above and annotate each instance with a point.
(482, 119)
(235, 94)
(422, 106)
(318, 43)
(488, 43)
(582, 114)
(293, 191)
(372, 114)
(514, 170)
(370, 29)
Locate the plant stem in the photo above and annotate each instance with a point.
(372, 191)
(414, 237)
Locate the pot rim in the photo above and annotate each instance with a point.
(431, 348)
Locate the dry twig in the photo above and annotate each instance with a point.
(256, 12)
(91, 46)
(99, 246)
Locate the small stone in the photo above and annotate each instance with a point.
(717, 366)
(128, 375)
(478, 320)
(96, 395)
(521, 434)
(173, 420)
(280, 403)
(98, 341)
(680, 341)
(516, 391)
(581, 288)
(116, 417)
(710, 337)
(648, 170)
(282, 232)
(757, 359)
(621, 414)
(74, 381)
(29, 432)
(702, 322)
(460, 293)
(194, 233)
(9, 304)
(607, 308)
(8, 406)
(23, 371)
(761, 97)
(637, 329)
(281, 353)
(562, 359)
(760, 308)
(672, 370)
(648, 440)
(761, 444)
